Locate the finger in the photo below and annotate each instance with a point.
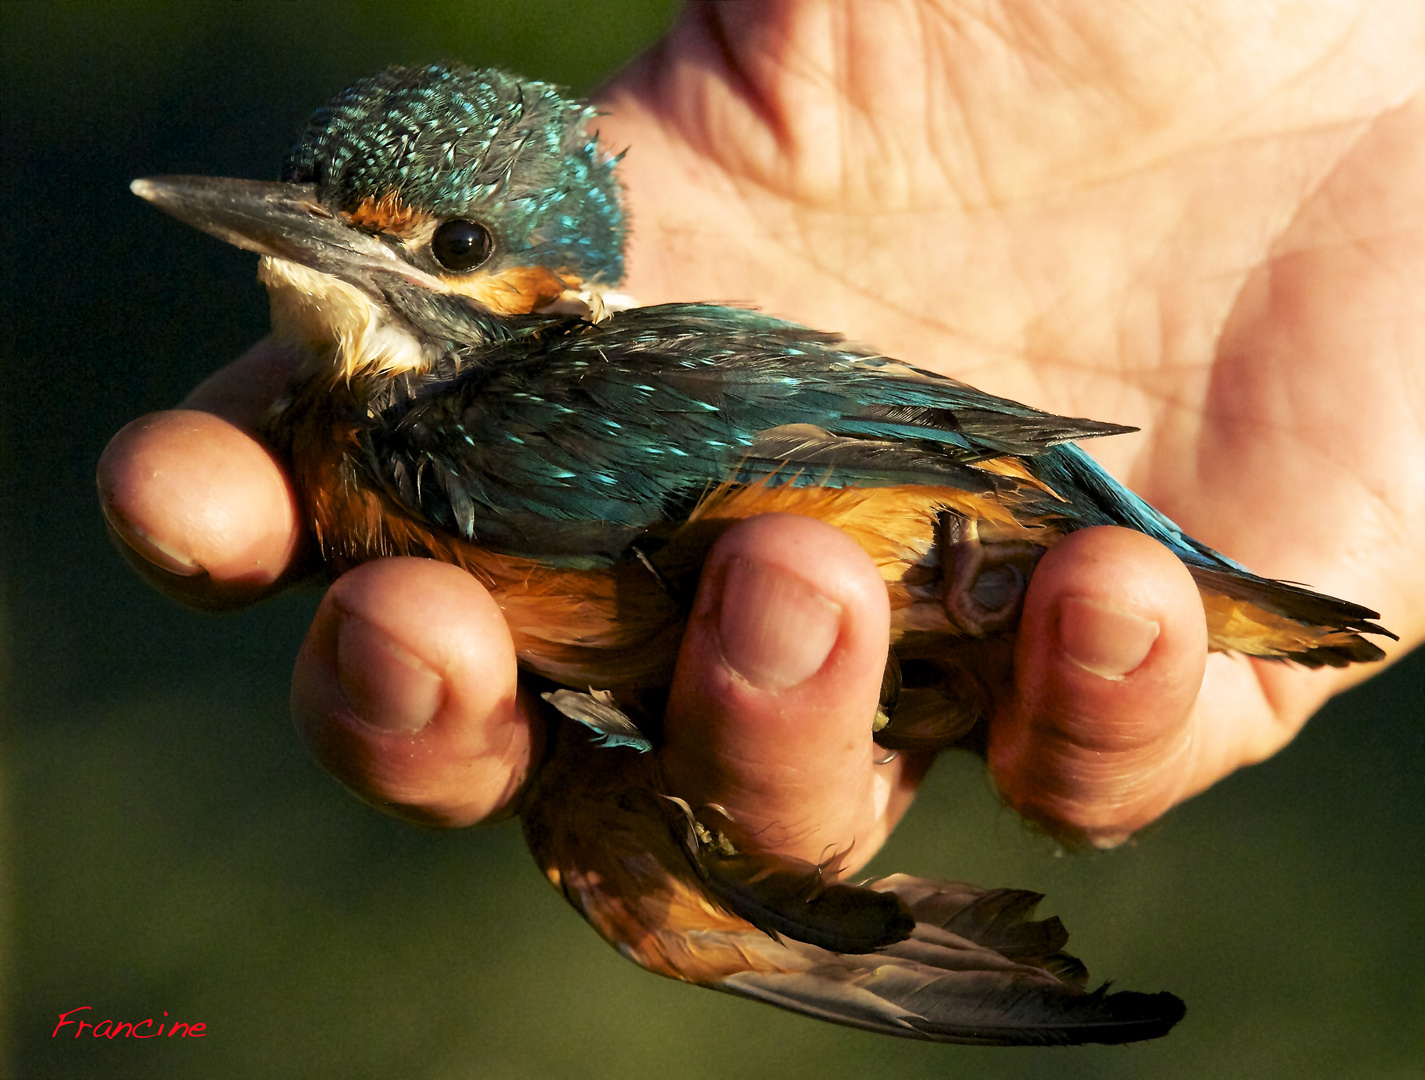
(202, 509)
(405, 689)
(199, 507)
(778, 680)
(1096, 739)
(245, 390)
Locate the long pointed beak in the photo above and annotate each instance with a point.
(285, 221)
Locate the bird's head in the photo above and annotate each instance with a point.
(423, 209)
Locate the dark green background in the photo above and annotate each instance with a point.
(168, 846)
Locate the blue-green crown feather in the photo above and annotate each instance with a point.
(457, 142)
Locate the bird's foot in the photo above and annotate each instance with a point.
(983, 580)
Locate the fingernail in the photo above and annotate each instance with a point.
(387, 686)
(1104, 640)
(776, 630)
(156, 552)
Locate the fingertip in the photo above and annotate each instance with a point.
(786, 596)
(204, 507)
(1109, 661)
(406, 689)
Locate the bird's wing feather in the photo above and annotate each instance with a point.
(572, 442)
(976, 969)
(932, 960)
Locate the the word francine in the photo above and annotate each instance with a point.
(187, 1031)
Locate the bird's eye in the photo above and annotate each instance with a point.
(461, 245)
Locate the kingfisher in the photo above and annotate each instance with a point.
(445, 250)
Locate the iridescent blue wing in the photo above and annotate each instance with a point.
(571, 443)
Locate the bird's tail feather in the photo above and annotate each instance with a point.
(1245, 613)
(1283, 621)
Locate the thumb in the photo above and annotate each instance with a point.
(1094, 741)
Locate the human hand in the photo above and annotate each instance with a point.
(1084, 753)
(1177, 216)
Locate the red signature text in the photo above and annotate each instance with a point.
(113, 1029)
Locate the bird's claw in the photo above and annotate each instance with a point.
(982, 581)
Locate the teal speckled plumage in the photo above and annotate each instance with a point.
(582, 439)
(443, 248)
(446, 137)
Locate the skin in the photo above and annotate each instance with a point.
(1206, 219)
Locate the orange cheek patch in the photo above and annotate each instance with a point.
(517, 290)
(388, 214)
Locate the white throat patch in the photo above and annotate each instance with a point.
(336, 322)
